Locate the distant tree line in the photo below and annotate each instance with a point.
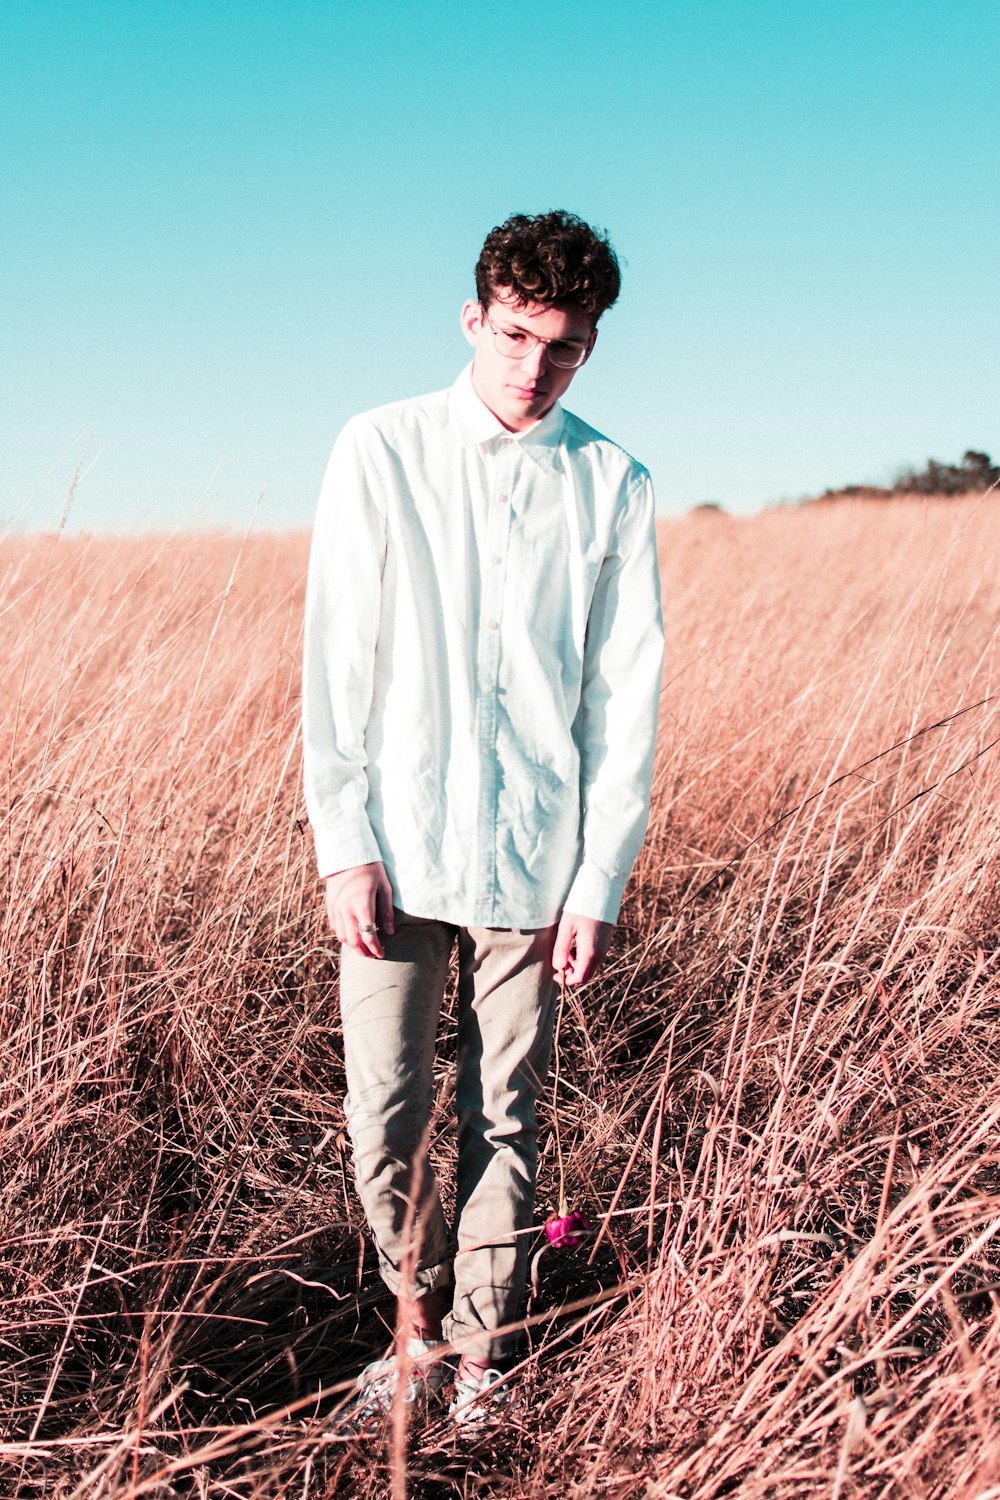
(976, 472)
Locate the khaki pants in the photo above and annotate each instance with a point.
(506, 1006)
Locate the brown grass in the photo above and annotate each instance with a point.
(781, 1099)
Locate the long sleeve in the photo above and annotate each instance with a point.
(615, 727)
(482, 658)
(343, 606)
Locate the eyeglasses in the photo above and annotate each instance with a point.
(517, 343)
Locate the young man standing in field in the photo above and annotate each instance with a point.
(482, 669)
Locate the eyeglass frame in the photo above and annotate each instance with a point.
(537, 339)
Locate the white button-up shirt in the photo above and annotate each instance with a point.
(483, 652)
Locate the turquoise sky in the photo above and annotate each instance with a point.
(227, 227)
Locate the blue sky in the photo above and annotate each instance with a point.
(228, 227)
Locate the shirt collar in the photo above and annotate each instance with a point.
(476, 424)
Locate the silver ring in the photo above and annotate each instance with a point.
(367, 928)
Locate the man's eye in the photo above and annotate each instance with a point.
(561, 347)
(515, 337)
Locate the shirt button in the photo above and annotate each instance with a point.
(491, 624)
(502, 499)
(486, 749)
(497, 561)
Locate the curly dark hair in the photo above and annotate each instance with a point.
(553, 257)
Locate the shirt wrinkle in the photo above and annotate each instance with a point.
(481, 715)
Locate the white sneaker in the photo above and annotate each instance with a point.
(479, 1400)
(376, 1386)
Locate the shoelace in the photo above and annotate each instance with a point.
(376, 1385)
(473, 1398)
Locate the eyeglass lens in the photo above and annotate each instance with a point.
(517, 344)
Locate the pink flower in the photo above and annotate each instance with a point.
(566, 1231)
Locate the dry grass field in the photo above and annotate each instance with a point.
(780, 1101)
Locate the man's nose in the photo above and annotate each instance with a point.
(536, 359)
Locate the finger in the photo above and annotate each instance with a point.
(369, 941)
(383, 909)
(560, 952)
(340, 921)
(585, 959)
(374, 943)
(595, 961)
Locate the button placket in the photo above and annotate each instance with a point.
(487, 674)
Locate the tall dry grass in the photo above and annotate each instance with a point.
(779, 1102)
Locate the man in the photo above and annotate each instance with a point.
(482, 668)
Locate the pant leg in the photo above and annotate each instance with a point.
(390, 1008)
(506, 1013)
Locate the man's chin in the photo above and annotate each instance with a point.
(525, 409)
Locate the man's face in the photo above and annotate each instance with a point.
(519, 391)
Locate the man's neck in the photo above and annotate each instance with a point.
(520, 431)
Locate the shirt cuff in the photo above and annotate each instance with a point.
(594, 894)
(339, 851)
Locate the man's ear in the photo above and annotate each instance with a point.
(472, 321)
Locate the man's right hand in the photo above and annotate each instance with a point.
(359, 906)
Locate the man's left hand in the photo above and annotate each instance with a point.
(581, 946)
